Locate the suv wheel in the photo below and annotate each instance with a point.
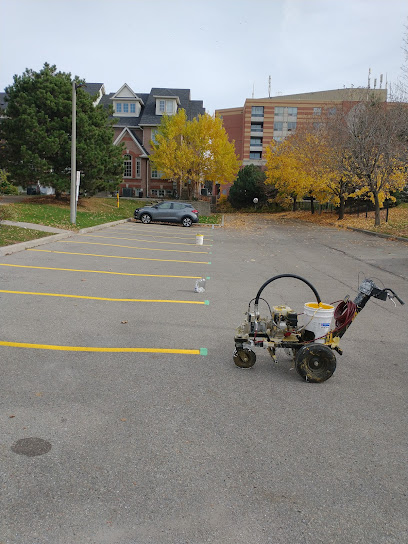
(186, 221)
(145, 218)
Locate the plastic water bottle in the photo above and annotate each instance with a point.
(200, 286)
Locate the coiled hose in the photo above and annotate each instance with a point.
(344, 314)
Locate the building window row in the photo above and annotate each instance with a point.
(256, 127)
(257, 111)
(161, 193)
(283, 111)
(279, 126)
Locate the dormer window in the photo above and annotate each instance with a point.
(126, 102)
(166, 105)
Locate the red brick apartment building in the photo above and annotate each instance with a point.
(261, 120)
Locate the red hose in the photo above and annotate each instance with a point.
(344, 313)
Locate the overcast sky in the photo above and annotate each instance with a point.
(223, 50)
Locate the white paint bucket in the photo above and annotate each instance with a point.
(319, 319)
(199, 239)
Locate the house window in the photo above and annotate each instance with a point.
(118, 107)
(125, 108)
(154, 192)
(132, 108)
(279, 110)
(278, 125)
(138, 167)
(317, 111)
(166, 106)
(255, 155)
(332, 111)
(156, 174)
(127, 166)
(256, 141)
(257, 111)
(291, 125)
(292, 112)
(161, 192)
(153, 135)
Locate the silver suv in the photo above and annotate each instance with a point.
(172, 212)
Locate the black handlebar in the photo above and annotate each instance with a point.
(394, 295)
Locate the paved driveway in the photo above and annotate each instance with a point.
(124, 419)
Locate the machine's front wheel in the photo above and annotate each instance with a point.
(315, 362)
(244, 358)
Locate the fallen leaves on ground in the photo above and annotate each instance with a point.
(397, 224)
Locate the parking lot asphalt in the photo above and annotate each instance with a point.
(124, 419)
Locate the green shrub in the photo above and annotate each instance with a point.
(6, 187)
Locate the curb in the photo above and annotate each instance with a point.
(379, 234)
(15, 248)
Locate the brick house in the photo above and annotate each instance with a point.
(136, 118)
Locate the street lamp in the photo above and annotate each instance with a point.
(75, 86)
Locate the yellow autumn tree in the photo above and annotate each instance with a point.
(191, 152)
(295, 169)
(171, 155)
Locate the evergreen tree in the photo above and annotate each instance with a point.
(248, 185)
(36, 134)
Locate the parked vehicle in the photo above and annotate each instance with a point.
(171, 212)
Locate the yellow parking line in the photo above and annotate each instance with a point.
(200, 351)
(101, 272)
(103, 298)
(139, 240)
(189, 237)
(149, 231)
(131, 247)
(118, 256)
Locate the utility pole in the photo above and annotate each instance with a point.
(73, 157)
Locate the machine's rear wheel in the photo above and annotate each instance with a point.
(244, 358)
(315, 362)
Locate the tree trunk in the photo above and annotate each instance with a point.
(341, 208)
(377, 210)
(294, 203)
(312, 208)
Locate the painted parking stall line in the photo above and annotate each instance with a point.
(118, 256)
(101, 272)
(198, 351)
(205, 302)
(132, 247)
(142, 240)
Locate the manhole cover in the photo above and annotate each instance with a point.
(31, 447)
